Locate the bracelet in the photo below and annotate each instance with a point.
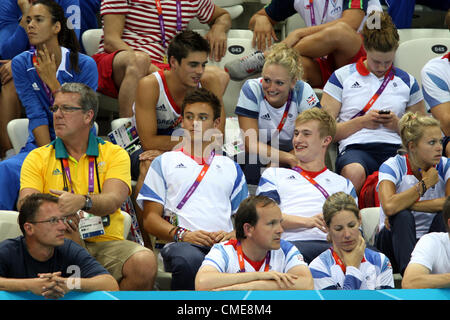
(424, 187)
(170, 231)
(417, 186)
(179, 234)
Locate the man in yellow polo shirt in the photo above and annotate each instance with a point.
(92, 175)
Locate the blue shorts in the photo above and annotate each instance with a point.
(370, 155)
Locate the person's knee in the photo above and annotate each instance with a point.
(214, 73)
(143, 62)
(356, 173)
(141, 266)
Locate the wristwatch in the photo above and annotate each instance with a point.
(87, 203)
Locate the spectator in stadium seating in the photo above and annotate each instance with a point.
(190, 194)
(436, 92)
(348, 264)
(430, 261)
(329, 41)
(160, 95)
(368, 98)
(412, 189)
(257, 259)
(302, 190)
(269, 105)
(13, 41)
(92, 175)
(42, 261)
(133, 48)
(38, 74)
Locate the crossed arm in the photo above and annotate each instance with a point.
(297, 278)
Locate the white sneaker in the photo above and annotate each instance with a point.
(245, 67)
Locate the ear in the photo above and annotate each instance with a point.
(327, 140)
(57, 27)
(217, 122)
(89, 115)
(248, 229)
(28, 228)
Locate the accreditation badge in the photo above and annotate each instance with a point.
(91, 226)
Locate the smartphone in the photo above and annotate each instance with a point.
(384, 111)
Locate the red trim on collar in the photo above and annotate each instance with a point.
(447, 56)
(200, 161)
(166, 90)
(408, 166)
(362, 69)
(314, 174)
(255, 264)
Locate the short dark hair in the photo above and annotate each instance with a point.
(446, 212)
(202, 95)
(186, 42)
(31, 205)
(247, 213)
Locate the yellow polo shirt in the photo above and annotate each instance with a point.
(42, 171)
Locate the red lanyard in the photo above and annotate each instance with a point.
(286, 112)
(91, 174)
(242, 262)
(339, 261)
(388, 77)
(312, 181)
(161, 20)
(197, 181)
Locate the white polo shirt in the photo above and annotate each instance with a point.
(436, 81)
(334, 10)
(374, 272)
(223, 256)
(433, 252)
(353, 86)
(252, 104)
(211, 205)
(398, 170)
(297, 196)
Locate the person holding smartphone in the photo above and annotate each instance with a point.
(367, 98)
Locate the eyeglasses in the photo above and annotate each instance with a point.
(55, 220)
(64, 108)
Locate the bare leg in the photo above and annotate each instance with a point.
(128, 68)
(10, 109)
(339, 39)
(356, 174)
(311, 72)
(139, 272)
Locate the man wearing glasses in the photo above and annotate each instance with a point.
(92, 175)
(42, 261)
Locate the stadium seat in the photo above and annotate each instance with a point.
(9, 226)
(239, 44)
(418, 33)
(126, 223)
(370, 223)
(91, 40)
(234, 8)
(18, 133)
(412, 55)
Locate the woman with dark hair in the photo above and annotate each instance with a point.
(38, 73)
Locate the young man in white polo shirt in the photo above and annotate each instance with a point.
(436, 93)
(302, 190)
(368, 98)
(190, 194)
(258, 259)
